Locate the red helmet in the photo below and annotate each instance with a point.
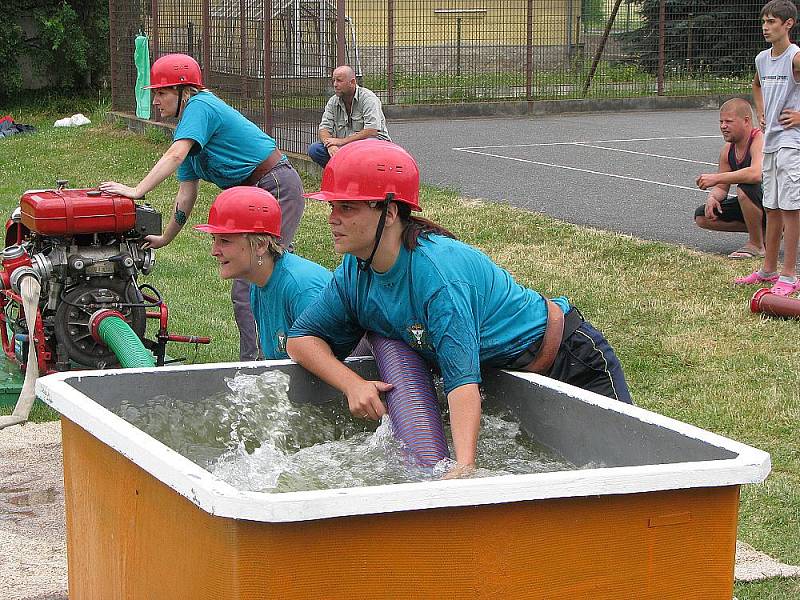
(175, 69)
(368, 170)
(244, 209)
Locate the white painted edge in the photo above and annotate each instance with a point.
(219, 498)
(620, 140)
(569, 168)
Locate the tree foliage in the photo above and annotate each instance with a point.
(10, 43)
(65, 40)
(704, 36)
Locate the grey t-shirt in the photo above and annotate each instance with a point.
(780, 91)
(366, 113)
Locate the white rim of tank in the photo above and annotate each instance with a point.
(221, 499)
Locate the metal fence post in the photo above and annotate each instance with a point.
(267, 11)
(113, 36)
(689, 43)
(458, 46)
(340, 41)
(243, 47)
(662, 15)
(154, 35)
(390, 52)
(154, 39)
(529, 51)
(206, 43)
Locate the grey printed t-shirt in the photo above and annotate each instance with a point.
(780, 91)
(366, 113)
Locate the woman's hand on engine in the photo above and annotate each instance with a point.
(155, 241)
(112, 187)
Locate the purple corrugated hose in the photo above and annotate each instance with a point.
(412, 402)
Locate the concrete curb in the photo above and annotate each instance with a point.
(534, 108)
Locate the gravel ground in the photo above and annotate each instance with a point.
(33, 553)
(33, 559)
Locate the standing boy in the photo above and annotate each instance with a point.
(776, 91)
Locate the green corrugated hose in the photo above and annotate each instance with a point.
(141, 56)
(126, 345)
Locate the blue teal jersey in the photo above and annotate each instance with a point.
(228, 147)
(294, 284)
(446, 299)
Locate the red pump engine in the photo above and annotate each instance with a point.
(84, 248)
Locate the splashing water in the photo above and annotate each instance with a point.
(255, 439)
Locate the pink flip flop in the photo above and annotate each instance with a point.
(784, 288)
(755, 278)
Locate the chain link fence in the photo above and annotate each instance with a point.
(272, 59)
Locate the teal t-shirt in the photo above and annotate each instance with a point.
(228, 147)
(446, 299)
(294, 284)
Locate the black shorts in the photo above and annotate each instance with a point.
(585, 359)
(731, 211)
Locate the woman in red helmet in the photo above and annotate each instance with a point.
(246, 224)
(216, 143)
(405, 277)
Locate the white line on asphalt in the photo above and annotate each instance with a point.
(653, 139)
(544, 164)
(689, 160)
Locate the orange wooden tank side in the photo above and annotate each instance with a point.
(131, 537)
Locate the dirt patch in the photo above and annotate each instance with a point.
(33, 560)
(752, 565)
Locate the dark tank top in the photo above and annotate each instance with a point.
(753, 190)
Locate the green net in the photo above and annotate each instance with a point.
(141, 56)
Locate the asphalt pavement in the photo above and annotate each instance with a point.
(631, 172)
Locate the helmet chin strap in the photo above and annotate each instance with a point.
(363, 265)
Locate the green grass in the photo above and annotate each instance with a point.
(611, 80)
(688, 344)
(42, 108)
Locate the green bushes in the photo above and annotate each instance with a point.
(701, 36)
(65, 41)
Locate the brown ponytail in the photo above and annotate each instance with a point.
(418, 226)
